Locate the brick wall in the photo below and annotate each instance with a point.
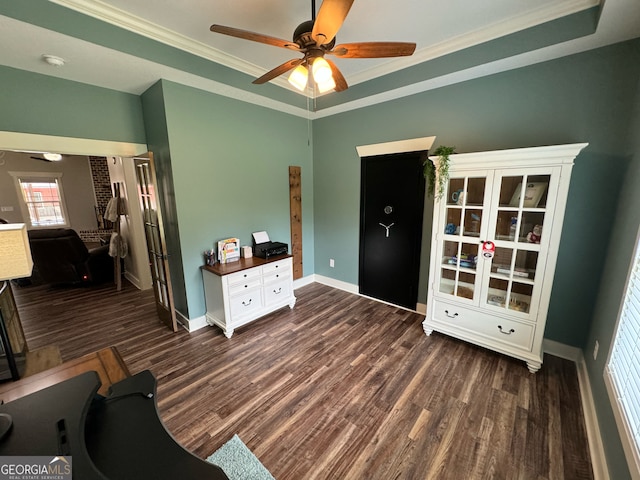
(102, 187)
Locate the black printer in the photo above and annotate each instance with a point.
(265, 248)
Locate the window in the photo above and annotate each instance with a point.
(42, 198)
(622, 374)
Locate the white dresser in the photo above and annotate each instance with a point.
(494, 248)
(238, 293)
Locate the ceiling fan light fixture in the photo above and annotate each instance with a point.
(299, 77)
(326, 86)
(321, 71)
(52, 157)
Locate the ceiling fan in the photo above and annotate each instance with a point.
(314, 39)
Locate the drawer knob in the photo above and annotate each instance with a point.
(449, 315)
(506, 333)
(246, 304)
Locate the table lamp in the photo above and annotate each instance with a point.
(15, 262)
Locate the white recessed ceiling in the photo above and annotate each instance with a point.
(437, 27)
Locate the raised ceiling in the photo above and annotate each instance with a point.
(456, 40)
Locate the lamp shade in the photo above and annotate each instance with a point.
(321, 70)
(15, 253)
(298, 77)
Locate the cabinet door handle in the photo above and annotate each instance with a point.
(506, 333)
(277, 292)
(246, 304)
(449, 315)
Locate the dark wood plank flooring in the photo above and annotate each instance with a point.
(340, 387)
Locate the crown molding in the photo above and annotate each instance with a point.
(120, 18)
(485, 34)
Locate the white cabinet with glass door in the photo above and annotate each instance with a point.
(494, 247)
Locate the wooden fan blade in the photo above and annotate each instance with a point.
(329, 20)
(341, 83)
(279, 70)
(255, 37)
(374, 49)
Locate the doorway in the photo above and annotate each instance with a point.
(392, 191)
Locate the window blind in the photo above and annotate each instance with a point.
(622, 374)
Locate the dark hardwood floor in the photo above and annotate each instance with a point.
(340, 387)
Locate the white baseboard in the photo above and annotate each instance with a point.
(352, 288)
(596, 447)
(135, 281)
(301, 282)
(339, 284)
(191, 324)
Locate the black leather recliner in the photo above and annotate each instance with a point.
(60, 257)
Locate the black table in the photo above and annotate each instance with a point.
(117, 437)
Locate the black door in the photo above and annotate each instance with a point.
(391, 207)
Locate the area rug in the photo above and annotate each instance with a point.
(238, 462)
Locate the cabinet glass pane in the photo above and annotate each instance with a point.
(532, 227)
(520, 299)
(497, 292)
(537, 191)
(450, 253)
(475, 191)
(501, 262)
(509, 191)
(452, 227)
(456, 188)
(466, 285)
(472, 222)
(507, 225)
(447, 281)
(526, 264)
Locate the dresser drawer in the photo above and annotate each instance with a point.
(485, 325)
(243, 275)
(277, 291)
(245, 303)
(279, 266)
(276, 276)
(244, 286)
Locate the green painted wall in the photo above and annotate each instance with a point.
(65, 20)
(582, 98)
(155, 122)
(612, 283)
(229, 162)
(34, 103)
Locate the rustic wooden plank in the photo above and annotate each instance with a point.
(295, 218)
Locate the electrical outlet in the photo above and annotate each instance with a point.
(332, 262)
(595, 350)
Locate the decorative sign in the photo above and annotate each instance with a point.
(488, 250)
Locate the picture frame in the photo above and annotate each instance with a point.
(532, 195)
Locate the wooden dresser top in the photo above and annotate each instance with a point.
(222, 269)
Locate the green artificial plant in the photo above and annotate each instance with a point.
(438, 176)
